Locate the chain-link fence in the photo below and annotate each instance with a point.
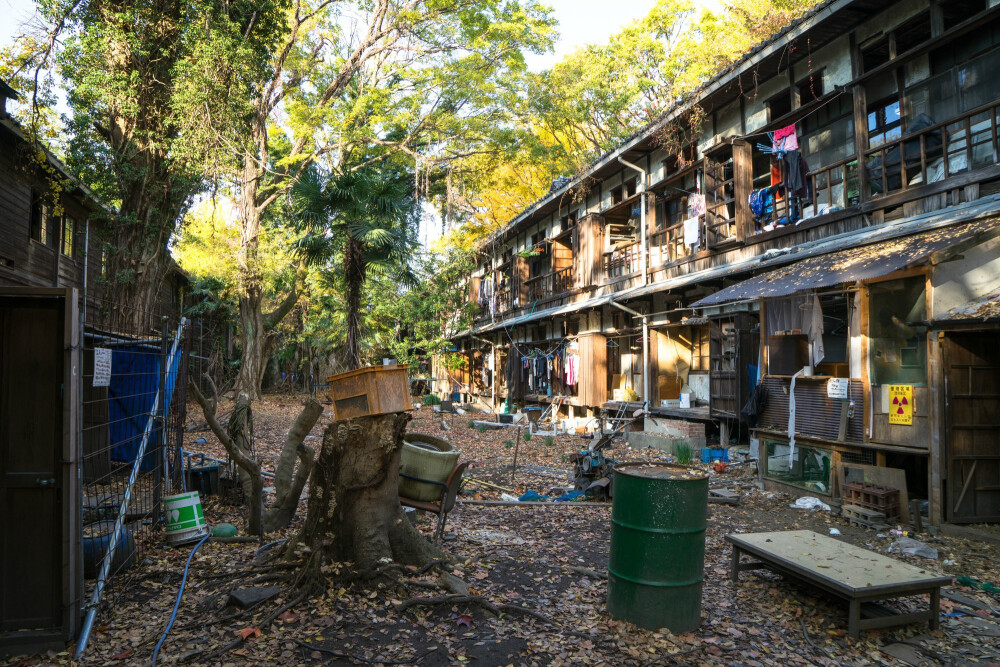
(134, 373)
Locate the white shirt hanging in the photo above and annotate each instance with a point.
(692, 227)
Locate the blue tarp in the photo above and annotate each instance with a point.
(135, 378)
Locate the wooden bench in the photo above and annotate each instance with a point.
(843, 570)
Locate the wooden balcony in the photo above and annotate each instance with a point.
(550, 284)
(622, 261)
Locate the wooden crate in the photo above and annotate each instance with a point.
(374, 390)
(874, 497)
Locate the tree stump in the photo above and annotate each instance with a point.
(353, 512)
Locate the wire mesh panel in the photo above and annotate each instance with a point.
(134, 370)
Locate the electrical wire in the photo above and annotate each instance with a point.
(180, 594)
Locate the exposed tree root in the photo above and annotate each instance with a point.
(494, 609)
(593, 574)
(350, 656)
(266, 622)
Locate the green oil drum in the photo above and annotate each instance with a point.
(657, 560)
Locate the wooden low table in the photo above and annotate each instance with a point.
(843, 570)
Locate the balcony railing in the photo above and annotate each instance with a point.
(622, 261)
(720, 205)
(550, 284)
(668, 243)
(539, 287)
(835, 185)
(936, 152)
(562, 280)
(503, 300)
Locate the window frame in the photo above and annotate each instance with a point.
(67, 239)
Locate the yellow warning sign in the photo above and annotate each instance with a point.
(901, 404)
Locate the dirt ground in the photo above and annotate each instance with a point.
(534, 559)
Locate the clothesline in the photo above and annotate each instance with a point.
(798, 120)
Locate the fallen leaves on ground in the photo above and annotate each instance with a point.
(523, 556)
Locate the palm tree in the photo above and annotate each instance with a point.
(363, 221)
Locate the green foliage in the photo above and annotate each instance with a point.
(432, 399)
(481, 428)
(527, 436)
(549, 441)
(509, 444)
(471, 424)
(453, 361)
(683, 452)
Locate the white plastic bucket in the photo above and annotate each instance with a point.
(185, 520)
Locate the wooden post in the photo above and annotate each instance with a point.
(936, 422)
(860, 122)
(866, 383)
(742, 184)
(517, 446)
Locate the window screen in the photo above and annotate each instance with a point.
(897, 351)
(807, 468)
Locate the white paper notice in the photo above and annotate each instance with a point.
(836, 387)
(102, 367)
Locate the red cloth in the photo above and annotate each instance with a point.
(785, 139)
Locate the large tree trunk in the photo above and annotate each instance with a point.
(354, 274)
(135, 272)
(289, 481)
(256, 339)
(152, 185)
(253, 336)
(354, 513)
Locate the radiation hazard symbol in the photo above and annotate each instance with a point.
(901, 404)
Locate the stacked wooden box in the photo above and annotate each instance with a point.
(872, 497)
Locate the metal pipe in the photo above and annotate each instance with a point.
(645, 348)
(109, 555)
(644, 246)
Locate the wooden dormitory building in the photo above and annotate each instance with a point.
(42, 245)
(822, 219)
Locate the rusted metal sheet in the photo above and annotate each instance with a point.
(816, 415)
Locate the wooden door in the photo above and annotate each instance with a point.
(733, 346)
(593, 381)
(39, 502)
(972, 418)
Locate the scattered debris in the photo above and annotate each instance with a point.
(912, 547)
(810, 503)
(248, 597)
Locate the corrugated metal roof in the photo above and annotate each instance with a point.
(986, 307)
(858, 263)
(541, 314)
(986, 209)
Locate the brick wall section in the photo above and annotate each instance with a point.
(674, 428)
